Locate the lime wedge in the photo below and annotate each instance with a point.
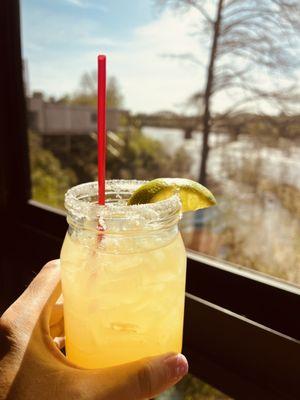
(193, 196)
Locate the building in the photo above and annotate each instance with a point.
(54, 118)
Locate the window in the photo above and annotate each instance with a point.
(253, 159)
(241, 328)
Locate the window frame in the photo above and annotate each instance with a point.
(234, 318)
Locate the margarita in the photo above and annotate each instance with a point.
(123, 276)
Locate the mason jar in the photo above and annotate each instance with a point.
(123, 276)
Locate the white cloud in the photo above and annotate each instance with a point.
(152, 80)
(88, 4)
(77, 3)
(149, 81)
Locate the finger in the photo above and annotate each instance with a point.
(56, 323)
(138, 380)
(57, 314)
(57, 329)
(39, 297)
(59, 341)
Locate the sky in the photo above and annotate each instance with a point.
(61, 40)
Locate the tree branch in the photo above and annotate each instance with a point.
(196, 4)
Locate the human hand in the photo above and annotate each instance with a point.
(32, 367)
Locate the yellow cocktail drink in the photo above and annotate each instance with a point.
(123, 277)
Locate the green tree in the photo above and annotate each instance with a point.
(76, 152)
(87, 92)
(138, 156)
(114, 97)
(130, 155)
(49, 180)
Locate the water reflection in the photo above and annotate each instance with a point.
(257, 221)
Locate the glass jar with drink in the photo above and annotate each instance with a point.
(123, 276)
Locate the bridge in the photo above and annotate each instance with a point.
(167, 119)
(54, 118)
(188, 124)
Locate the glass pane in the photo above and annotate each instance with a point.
(161, 101)
(192, 388)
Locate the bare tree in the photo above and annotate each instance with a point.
(248, 39)
(113, 93)
(88, 83)
(87, 93)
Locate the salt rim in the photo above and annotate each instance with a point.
(77, 205)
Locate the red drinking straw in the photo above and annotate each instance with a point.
(101, 127)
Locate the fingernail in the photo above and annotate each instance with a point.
(178, 366)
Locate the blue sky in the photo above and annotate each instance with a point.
(116, 19)
(61, 40)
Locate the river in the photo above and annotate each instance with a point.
(253, 224)
(280, 165)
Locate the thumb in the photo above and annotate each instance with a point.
(138, 380)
